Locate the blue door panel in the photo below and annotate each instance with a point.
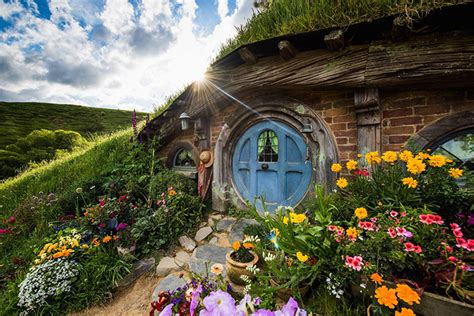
(280, 182)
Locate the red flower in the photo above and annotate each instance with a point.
(457, 233)
(11, 220)
(122, 198)
(102, 203)
(452, 259)
(5, 231)
(411, 247)
(392, 233)
(393, 213)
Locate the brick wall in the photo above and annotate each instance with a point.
(403, 114)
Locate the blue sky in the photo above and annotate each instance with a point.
(110, 53)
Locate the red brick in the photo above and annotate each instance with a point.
(398, 139)
(344, 103)
(431, 118)
(343, 118)
(405, 121)
(432, 109)
(349, 133)
(408, 102)
(347, 148)
(351, 126)
(341, 140)
(400, 130)
(398, 112)
(392, 147)
(339, 126)
(328, 119)
(334, 112)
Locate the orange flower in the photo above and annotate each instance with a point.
(407, 294)
(171, 192)
(386, 297)
(217, 268)
(107, 239)
(248, 245)
(405, 312)
(96, 242)
(376, 278)
(58, 255)
(236, 245)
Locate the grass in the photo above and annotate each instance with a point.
(284, 17)
(19, 119)
(85, 167)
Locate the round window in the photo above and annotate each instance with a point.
(184, 159)
(459, 147)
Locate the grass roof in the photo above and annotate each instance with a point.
(282, 17)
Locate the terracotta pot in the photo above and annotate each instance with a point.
(236, 269)
(286, 293)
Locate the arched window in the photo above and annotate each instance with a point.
(183, 159)
(267, 146)
(459, 147)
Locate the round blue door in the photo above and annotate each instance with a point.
(270, 161)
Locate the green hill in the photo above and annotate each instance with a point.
(19, 119)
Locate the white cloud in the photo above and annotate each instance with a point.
(7, 9)
(121, 58)
(222, 8)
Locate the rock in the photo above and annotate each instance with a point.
(211, 253)
(187, 243)
(237, 231)
(213, 241)
(225, 224)
(203, 233)
(182, 258)
(216, 216)
(166, 265)
(210, 222)
(139, 268)
(170, 283)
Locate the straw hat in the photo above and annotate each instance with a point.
(206, 157)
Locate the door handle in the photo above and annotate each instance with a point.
(264, 166)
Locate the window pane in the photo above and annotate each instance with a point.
(268, 146)
(460, 148)
(184, 158)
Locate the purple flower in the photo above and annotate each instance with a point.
(291, 309)
(218, 303)
(257, 301)
(167, 311)
(470, 220)
(242, 307)
(408, 234)
(263, 312)
(195, 299)
(121, 226)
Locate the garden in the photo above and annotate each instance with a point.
(396, 226)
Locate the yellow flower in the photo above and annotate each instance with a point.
(236, 245)
(52, 247)
(301, 257)
(285, 220)
(372, 158)
(359, 156)
(449, 160)
(107, 239)
(386, 297)
(415, 166)
(410, 182)
(217, 268)
(361, 212)
(342, 183)
(352, 232)
(437, 161)
(297, 218)
(277, 231)
(405, 155)
(336, 167)
(407, 294)
(351, 165)
(389, 156)
(455, 172)
(376, 278)
(289, 262)
(405, 312)
(421, 155)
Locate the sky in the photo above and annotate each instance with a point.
(119, 54)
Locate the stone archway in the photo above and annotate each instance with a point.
(321, 144)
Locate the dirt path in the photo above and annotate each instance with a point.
(132, 301)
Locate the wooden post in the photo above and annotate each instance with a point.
(335, 40)
(248, 56)
(287, 50)
(367, 104)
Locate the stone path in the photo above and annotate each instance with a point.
(209, 245)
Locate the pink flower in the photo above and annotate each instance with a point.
(122, 198)
(437, 219)
(393, 213)
(11, 220)
(391, 232)
(418, 249)
(403, 214)
(367, 226)
(426, 219)
(101, 225)
(373, 219)
(332, 228)
(102, 203)
(449, 249)
(5, 231)
(452, 259)
(454, 226)
(469, 245)
(411, 247)
(460, 241)
(457, 233)
(354, 262)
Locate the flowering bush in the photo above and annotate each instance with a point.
(46, 281)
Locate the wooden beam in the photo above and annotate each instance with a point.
(335, 40)
(287, 50)
(246, 54)
(366, 97)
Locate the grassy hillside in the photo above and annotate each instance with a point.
(281, 17)
(19, 119)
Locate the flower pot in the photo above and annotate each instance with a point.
(285, 293)
(236, 269)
